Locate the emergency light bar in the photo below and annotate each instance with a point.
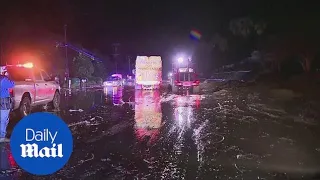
(26, 65)
(185, 69)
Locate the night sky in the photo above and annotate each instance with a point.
(97, 24)
(142, 27)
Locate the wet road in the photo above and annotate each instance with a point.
(229, 134)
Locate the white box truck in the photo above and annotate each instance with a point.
(148, 72)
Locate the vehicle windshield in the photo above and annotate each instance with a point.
(186, 76)
(114, 78)
(19, 73)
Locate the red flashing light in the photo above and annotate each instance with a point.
(11, 92)
(177, 82)
(196, 83)
(197, 102)
(11, 160)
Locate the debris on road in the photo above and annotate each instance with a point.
(75, 110)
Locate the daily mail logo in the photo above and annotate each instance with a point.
(41, 143)
(33, 150)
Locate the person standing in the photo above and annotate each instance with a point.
(5, 105)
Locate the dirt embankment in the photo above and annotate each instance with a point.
(304, 86)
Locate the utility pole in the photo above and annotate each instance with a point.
(129, 58)
(115, 54)
(66, 48)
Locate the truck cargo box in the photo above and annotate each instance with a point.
(148, 72)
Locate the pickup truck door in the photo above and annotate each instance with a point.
(49, 86)
(40, 86)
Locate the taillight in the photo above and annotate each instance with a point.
(196, 83)
(11, 92)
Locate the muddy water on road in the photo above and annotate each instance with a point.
(127, 134)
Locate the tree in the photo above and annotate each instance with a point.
(307, 51)
(241, 26)
(295, 45)
(220, 42)
(83, 66)
(99, 70)
(246, 36)
(245, 27)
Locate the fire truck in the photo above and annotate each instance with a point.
(184, 77)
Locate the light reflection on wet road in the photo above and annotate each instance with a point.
(128, 134)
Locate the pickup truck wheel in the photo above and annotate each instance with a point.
(25, 107)
(56, 100)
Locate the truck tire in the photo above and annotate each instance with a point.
(175, 89)
(56, 100)
(196, 89)
(25, 106)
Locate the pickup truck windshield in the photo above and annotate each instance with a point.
(19, 74)
(114, 79)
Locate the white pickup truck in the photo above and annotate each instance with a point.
(33, 87)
